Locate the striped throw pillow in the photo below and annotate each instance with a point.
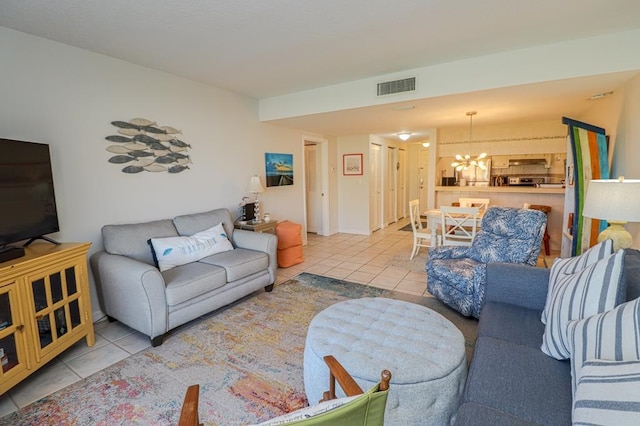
(608, 393)
(588, 292)
(613, 335)
(571, 265)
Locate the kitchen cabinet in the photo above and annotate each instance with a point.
(500, 161)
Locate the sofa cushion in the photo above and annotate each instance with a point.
(520, 381)
(175, 251)
(188, 281)
(131, 240)
(512, 323)
(471, 413)
(571, 265)
(612, 335)
(588, 292)
(608, 393)
(190, 224)
(239, 263)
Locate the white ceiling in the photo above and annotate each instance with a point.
(264, 48)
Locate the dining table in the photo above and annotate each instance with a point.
(434, 221)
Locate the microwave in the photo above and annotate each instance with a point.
(448, 181)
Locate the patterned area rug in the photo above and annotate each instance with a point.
(247, 359)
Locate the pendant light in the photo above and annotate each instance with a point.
(463, 162)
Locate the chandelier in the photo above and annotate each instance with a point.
(463, 162)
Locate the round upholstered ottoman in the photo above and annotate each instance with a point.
(423, 350)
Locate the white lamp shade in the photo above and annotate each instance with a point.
(615, 200)
(255, 185)
(404, 136)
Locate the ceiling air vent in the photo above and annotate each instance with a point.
(397, 86)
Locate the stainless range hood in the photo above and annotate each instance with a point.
(530, 160)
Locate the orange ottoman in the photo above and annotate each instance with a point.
(289, 243)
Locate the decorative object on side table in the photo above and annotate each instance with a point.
(255, 187)
(617, 201)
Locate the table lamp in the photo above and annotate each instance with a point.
(255, 188)
(617, 201)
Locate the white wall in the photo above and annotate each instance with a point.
(353, 191)
(67, 97)
(618, 115)
(570, 59)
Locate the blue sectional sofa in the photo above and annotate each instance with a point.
(511, 381)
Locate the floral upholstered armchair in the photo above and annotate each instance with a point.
(457, 275)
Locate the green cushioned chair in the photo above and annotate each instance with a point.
(358, 408)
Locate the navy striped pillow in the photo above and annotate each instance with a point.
(588, 292)
(608, 393)
(613, 335)
(571, 265)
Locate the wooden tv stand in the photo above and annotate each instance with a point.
(45, 307)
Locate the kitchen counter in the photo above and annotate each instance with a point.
(501, 189)
(512, 196)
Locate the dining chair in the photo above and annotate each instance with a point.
(458, 225)
(421, 236)
(481, 203)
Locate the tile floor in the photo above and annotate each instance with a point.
(380, 260)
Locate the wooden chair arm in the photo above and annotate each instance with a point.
(348, 385)
(189, 413)
(337, 372)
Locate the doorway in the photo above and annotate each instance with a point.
(401, 185)
(313, 187)
(316, 183)
(423, 176)
(390, 186)
(375, 193)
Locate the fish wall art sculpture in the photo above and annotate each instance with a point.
(143, 146)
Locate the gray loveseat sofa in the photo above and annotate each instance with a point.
(511, 381)
(135, 292)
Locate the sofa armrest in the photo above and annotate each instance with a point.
(133, 292)
(520, 285)
(259, 241)
(449, 252)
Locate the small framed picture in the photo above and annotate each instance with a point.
(352, 164)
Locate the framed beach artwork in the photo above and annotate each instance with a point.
(279, 169)
(352, 164)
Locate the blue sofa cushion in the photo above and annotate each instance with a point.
(520, 381)
(474, 414)
(512, 323)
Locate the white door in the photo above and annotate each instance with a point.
(401, 185)
(375, 194)
(390, 187)
(423, 173)
(313, 187)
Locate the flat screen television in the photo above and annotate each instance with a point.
(27, 199)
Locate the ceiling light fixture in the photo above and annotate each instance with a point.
(426, 144)
(463, 162)
(404, 136)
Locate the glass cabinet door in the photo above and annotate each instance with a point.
(11, 331)
(57, 309)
